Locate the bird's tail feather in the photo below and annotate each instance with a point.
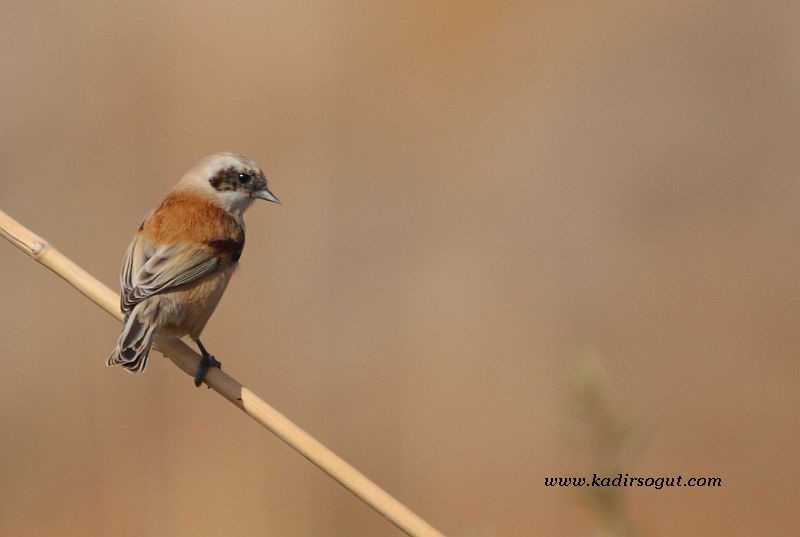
(134, 344)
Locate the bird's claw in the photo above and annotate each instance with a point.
(202, 368)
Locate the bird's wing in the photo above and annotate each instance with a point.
(148, 270)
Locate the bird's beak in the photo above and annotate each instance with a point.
(265, 194)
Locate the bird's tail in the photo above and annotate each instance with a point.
(134, 343)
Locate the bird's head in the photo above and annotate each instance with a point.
(231, 179)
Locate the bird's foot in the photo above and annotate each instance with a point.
(202, 368)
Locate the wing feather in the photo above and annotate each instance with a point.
(148, 270)
(186, 238)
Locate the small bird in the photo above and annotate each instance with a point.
(183, 255)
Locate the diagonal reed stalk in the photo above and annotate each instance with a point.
(186, 359)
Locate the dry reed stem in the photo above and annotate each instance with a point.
(186, 359)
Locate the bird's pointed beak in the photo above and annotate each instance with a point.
(265, 194)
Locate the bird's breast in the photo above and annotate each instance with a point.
(192, 305)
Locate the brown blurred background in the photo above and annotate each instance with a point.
(475, 195)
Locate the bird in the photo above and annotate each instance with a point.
(182, 257)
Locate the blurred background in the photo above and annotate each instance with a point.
(518, 240)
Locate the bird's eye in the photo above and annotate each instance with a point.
(245, 178)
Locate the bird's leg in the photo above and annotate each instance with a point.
(205, 362)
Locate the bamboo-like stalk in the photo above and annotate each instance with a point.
(229, 388)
